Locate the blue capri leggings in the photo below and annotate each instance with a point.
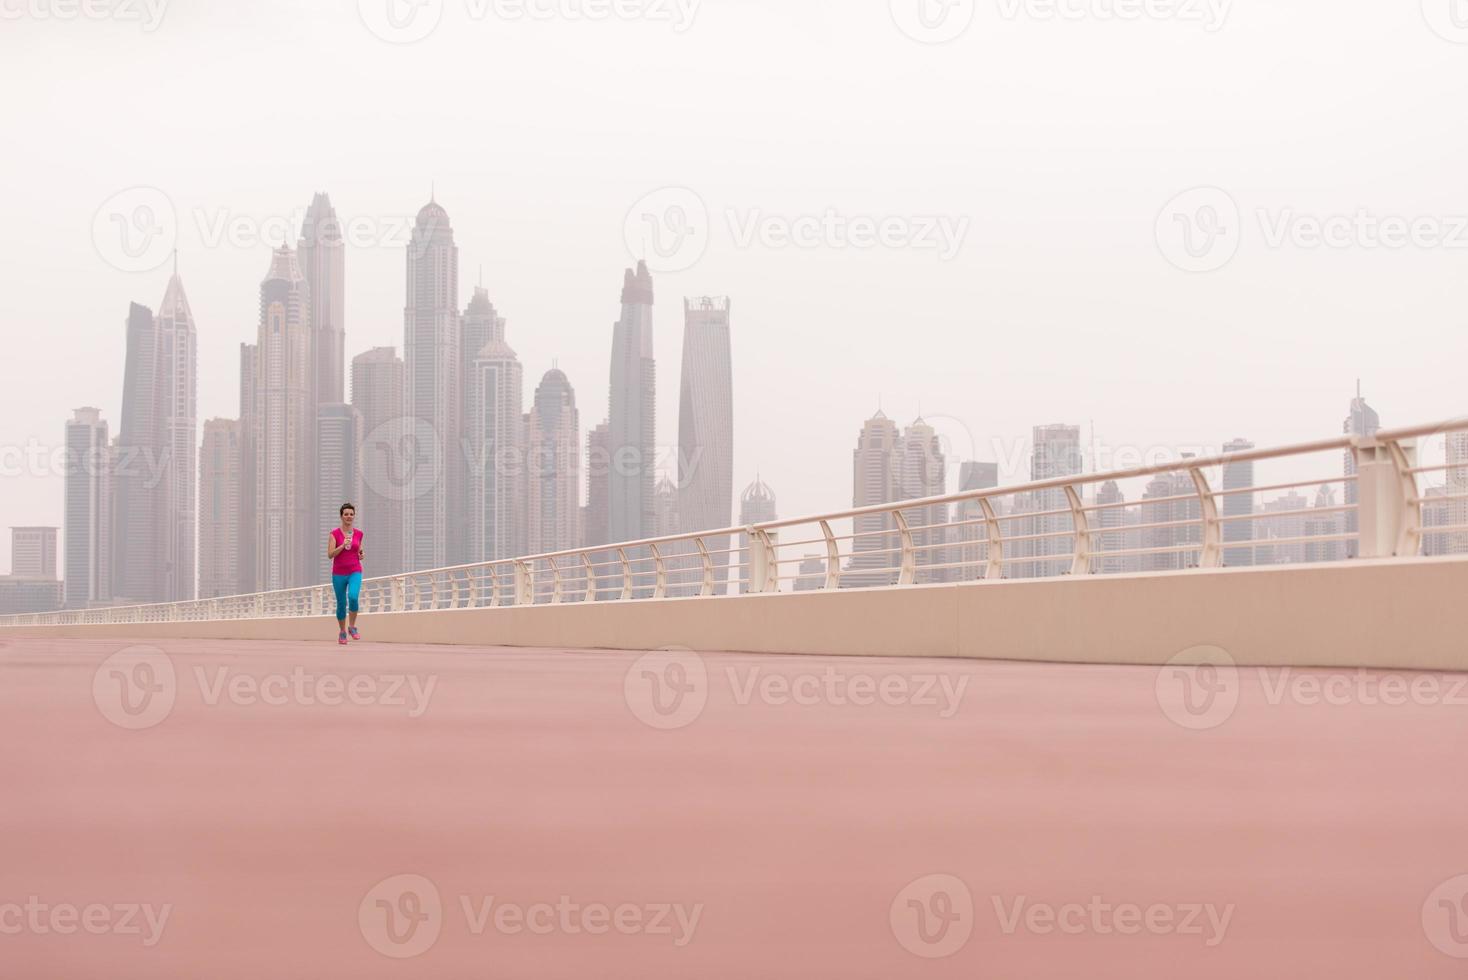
(348, 589)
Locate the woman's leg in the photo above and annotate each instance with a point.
(354, 595)
(339, 586)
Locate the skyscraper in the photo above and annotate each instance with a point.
(631, 419)
(377, 395)
(1111, 520)
(88, 562)
(284, 432)
(923, 473)
(1361, 421)
(33, 552)
(595, 529)
(249, 521)
(706, 428)
(221, 480)
(1238, 506)
(323, 262)
(496, 447)
(1456, 542)
(431, 349)
(553, 468)
(338, 470)
(876, 474)
(972, 529)
(756, 506)
(482, 331)
(178, 391)
(1324, 521)
(1056, 453)
(138, 458)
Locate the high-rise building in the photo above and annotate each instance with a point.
(1435, 515)
(1283, 521)
(553, 467)
(1238, 507)
(248, 533)
(322, 255)
(21, 594)
(178, 391)
(431, 349)
(33, 552)
(1456, 541)
(1170, 515)
(631, 418)
(971, 529)
(706, 428)
(756, 506)
(812, 575)
(286, 552)
(923, 472)
(1056, 453)
(88, 562)
(1324, 521)
(338, 470)
(221, 480)
(1361, 421)
(496, 447)
(876, 472)
(137, 554)
(595, 529)
(377, 395)
(664, 510)
(1110, 518)
(480, 327)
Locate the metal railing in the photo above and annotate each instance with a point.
(1034, 530)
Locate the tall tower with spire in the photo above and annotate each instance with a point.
(553, 467)
(322, 255)
(631, 417)
(1361, 421)
(286, 551)
(431, 348)
(178, 390)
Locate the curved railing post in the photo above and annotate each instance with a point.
(590, 593)
(707, 561)
(524, 583)
(556, 584)
(907, 567)
(626, 573)
(1081, 563)
(994, 567)
(833, 557)
(660, 573)
(1211, 555)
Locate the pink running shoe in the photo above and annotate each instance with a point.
(342, 639)
(355, 635)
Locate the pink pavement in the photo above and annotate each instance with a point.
(1050, 821)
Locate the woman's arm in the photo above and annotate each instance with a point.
(332, 548)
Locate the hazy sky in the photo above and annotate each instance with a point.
(1055, 136)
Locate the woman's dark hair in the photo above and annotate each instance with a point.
(345, 508)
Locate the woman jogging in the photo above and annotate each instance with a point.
(344, 548)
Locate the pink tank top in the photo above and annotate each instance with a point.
(349, 561)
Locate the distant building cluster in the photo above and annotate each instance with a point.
(436, 447)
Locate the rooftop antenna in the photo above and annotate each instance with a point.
(433, 192)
